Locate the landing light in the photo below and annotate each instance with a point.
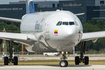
(66, 52)
(62, 52)
(57, 10)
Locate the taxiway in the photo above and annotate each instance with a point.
(71, 67)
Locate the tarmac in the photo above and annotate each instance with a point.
(52, 67)
(57, 58)
(37, 67)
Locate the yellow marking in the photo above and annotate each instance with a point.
(79, 31)
(55, 30)
(30, 0)
(42, 14)
(43, 17)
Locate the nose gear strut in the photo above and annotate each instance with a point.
(63, 62)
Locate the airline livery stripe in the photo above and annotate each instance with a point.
(55, 33)
(55, 30)
(30, 0)
(31, 7)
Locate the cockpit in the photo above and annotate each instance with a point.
(65, 23)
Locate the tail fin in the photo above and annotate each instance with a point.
(29, 6)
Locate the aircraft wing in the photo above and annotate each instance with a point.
(93, 36)
(27, 39)
(10, 19)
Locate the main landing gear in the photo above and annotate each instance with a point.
(63, 62)
(11, 58)
(83, 59)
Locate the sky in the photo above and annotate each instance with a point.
(7, 1)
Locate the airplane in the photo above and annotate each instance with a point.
(54, 31)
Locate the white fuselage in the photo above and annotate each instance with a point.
(55, 31)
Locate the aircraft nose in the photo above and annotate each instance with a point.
(69, 33)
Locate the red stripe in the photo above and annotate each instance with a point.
(3, 49)
(3, 41)
(55, 33)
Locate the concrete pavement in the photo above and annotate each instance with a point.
(37, 67)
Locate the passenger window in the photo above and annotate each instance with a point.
(71, 23)
(65, 23)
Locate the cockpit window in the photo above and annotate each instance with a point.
(71, 23)
(65, 23)
(59, 23)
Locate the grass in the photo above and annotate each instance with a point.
(55, 62)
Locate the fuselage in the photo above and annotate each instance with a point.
(55, 31)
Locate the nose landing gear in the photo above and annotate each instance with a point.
(63, 62)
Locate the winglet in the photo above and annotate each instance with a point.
(79, 14)
(30, 7)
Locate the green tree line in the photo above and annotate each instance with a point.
(13, 28)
